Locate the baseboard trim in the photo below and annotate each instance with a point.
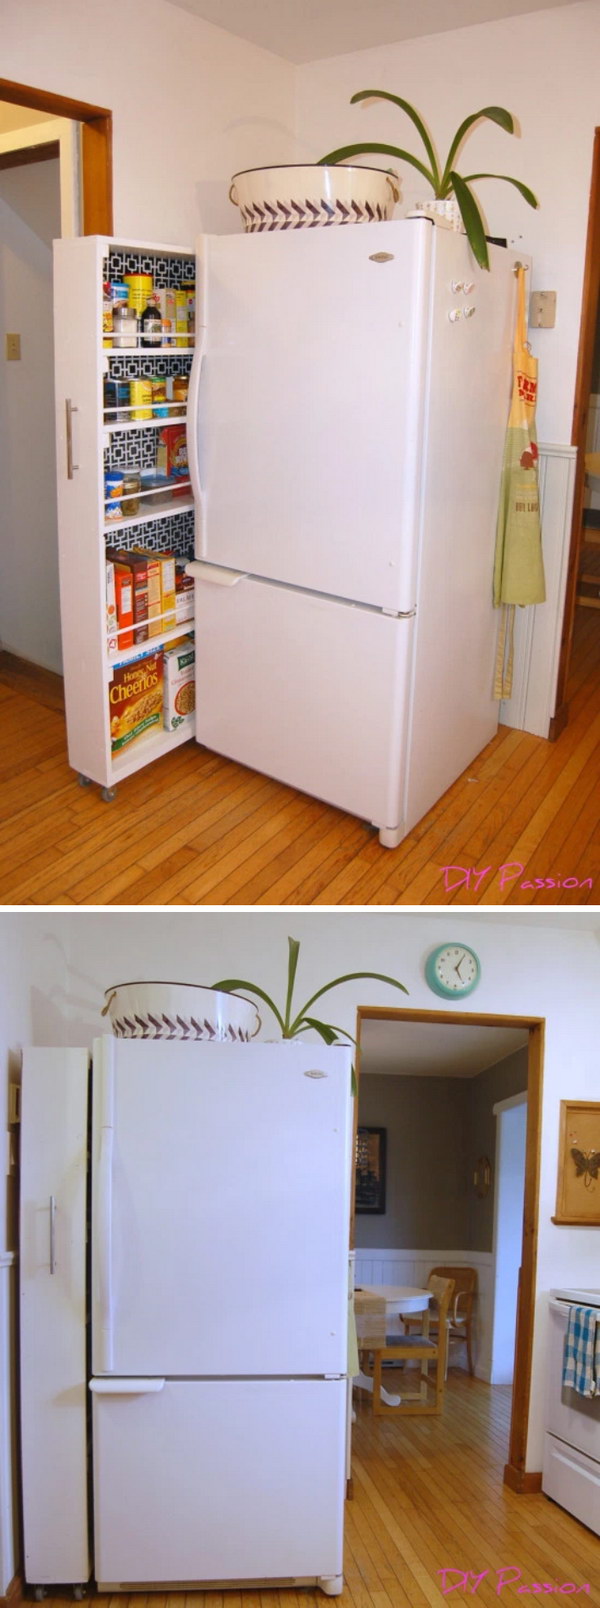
(14, 1593)
(558, 722)
(520, 1482)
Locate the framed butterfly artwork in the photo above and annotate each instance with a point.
(578, 1187)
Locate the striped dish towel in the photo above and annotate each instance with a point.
(581, 1359)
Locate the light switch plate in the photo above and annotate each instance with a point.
(542, 309)
(13, 348)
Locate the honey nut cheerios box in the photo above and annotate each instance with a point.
(179, 696)
(135, 698)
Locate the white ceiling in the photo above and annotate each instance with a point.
(307, 30)
(434, 1049)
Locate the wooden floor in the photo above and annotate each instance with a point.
(195, 829)
(428, 1496)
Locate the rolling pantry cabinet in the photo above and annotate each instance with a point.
(53, 1349)
(93, 437)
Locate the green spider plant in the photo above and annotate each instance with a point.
(444, 181)
(292, 1023)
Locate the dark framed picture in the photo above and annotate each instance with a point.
(578, 1184)
(370, 1170)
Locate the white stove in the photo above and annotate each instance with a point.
(571, 1473)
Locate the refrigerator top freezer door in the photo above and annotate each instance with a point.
(310, 406)
(220, 1218)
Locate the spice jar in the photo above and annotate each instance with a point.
(132, 485)
(125, 325)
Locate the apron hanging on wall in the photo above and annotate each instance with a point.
(518, 564)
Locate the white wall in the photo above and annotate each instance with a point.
(508, 1234)
(29, 600)
(544, 68)
(191, 104)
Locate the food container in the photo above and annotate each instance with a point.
(132, 485)
(303, 196)
(140, 392)
(116, 401)
(179, 1011)
(139, 288)
(125, 325)
(159, 399)
(181, 317)
(181, 387)
(113, 489)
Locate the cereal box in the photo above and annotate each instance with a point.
(135, 699)
(184, 595)
(111, 607)
(171, 455)
(179, 697)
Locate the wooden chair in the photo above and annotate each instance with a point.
(423, 1347)
(460, 1317)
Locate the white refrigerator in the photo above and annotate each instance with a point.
(348, 407)
(220, 1198)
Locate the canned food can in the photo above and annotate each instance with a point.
(139, 287)
(141, 399)
(159, 399)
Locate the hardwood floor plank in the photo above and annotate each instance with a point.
(194, 828)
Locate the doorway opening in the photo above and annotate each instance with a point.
(55, 180)
(510, 1032)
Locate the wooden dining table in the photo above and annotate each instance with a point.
(399, 1300)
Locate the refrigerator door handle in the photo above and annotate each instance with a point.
(52, 1233)
(214, 574)
(192, 432)
(126, 1387)
(104, 1215)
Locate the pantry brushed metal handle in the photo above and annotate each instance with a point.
(52, 1233)
(70, 409)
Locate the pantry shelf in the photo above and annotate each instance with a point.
(164, 508)
(148, 424)
(126, 655)
(146, 749)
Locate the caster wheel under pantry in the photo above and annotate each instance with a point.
(84, 781)
(107, 794)
(39, 1593)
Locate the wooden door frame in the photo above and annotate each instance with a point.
(96, 148)
(589, 312)
(515, 1474)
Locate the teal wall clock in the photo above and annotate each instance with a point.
(452, 970)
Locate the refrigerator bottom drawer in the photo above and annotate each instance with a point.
(307, 689)
(220, 1480)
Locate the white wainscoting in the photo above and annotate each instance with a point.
(7, 1538)
(393, 1266)
(538, 628)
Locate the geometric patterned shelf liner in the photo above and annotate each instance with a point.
(167, 272)
(122, 367)
(175, 1027)
(310, 215)
(134, 448)
(174, 535)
